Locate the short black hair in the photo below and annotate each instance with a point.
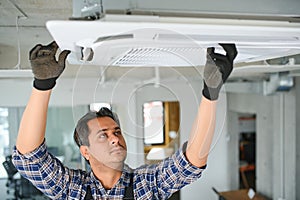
(82, 130)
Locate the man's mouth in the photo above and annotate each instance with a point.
(117, 150)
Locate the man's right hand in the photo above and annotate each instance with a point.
(44, 65)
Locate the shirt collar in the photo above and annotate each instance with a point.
(123, 181)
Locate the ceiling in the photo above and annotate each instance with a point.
(22, 26)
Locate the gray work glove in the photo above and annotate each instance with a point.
(217, 69)
(44, 65)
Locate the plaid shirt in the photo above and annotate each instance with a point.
(158, 181)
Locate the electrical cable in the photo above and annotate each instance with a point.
(24, 16)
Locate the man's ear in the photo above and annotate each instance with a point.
(84, 150)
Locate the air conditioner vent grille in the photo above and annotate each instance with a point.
(167, 56)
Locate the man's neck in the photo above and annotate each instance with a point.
(107, 176)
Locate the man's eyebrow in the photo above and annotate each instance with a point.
(106, 129)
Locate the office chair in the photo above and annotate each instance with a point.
(23, 189)
(10, 169)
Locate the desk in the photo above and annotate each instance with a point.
(239, 194)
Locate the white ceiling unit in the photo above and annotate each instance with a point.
(137, 41)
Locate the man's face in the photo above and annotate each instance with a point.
(107, 144)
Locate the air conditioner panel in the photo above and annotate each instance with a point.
(137, 44)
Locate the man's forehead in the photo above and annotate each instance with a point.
(103, 123)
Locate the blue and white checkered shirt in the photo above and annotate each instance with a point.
(158, 181)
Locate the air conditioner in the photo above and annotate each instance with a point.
(138, 41)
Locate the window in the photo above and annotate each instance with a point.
(153, 123)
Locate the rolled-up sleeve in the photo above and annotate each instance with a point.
(160, 181)
(186, 170)
(44, 170)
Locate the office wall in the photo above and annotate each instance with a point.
(275, 140)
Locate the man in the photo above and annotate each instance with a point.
(100, 139)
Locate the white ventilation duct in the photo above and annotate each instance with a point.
(135, 41)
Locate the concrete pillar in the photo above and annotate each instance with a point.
(297, 137)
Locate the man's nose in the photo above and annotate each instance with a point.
(113, 139)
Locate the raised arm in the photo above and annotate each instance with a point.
(46, 70)
(217, 69)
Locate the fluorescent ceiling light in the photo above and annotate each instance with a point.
(151, 41)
